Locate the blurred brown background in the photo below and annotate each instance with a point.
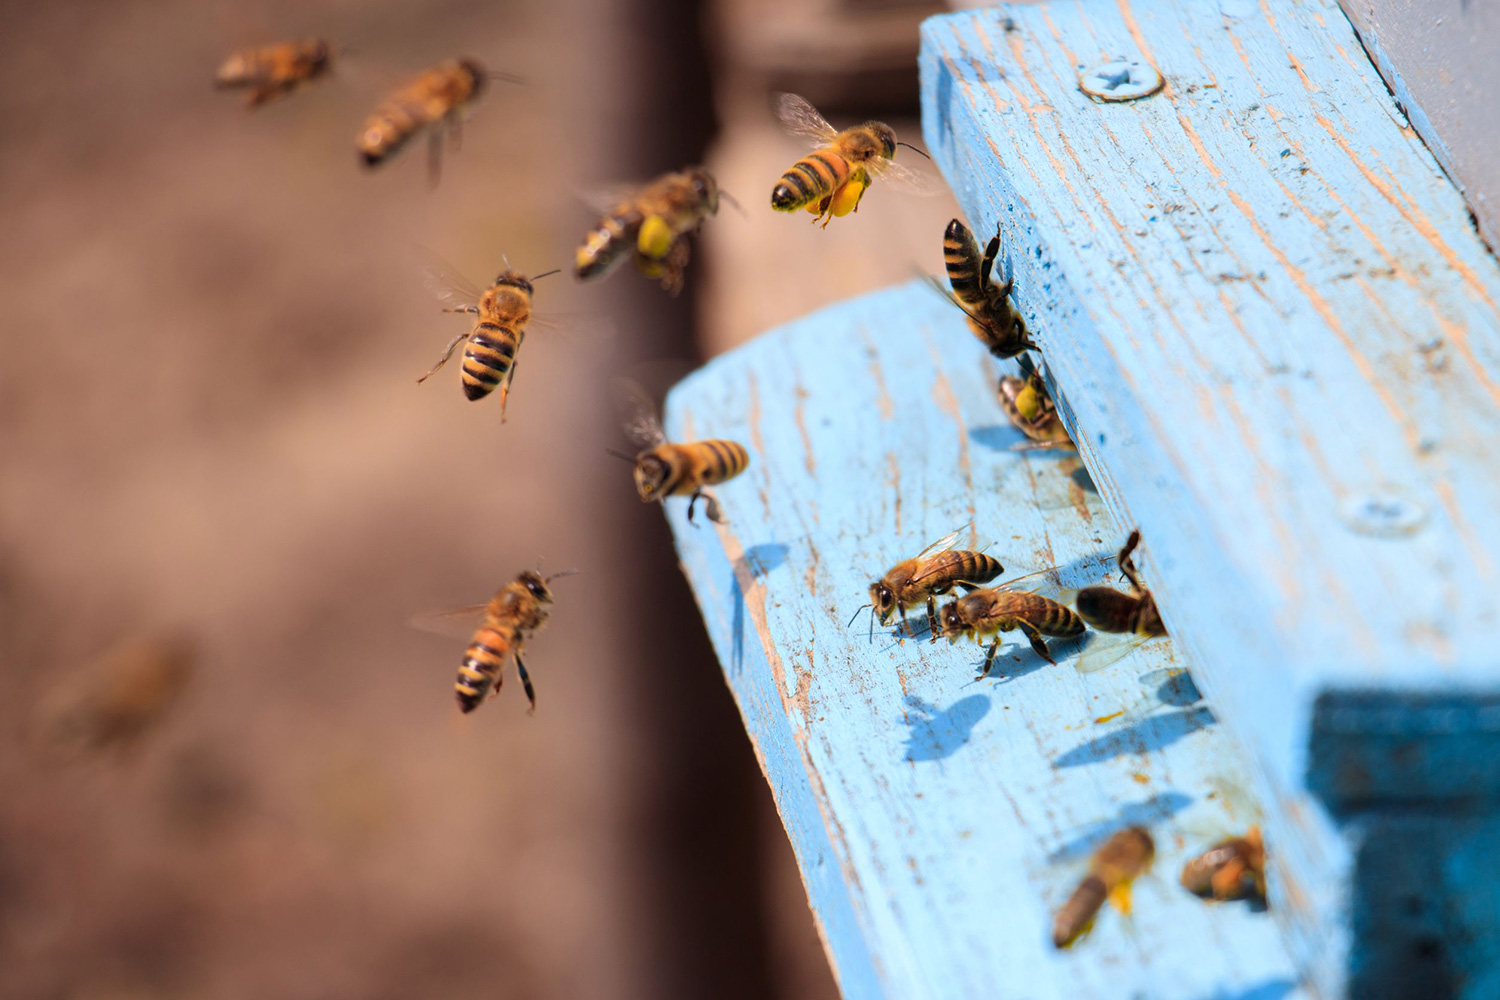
(209, 426)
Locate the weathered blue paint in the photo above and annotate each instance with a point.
(938, 821)
(1276, 337)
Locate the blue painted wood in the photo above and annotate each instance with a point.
(1275, 336)
(938, 822)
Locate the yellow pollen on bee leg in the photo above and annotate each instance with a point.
(655, 237)
(846, 199)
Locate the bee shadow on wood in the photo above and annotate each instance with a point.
(999, 437)
(758, 561)
(936, 734)
(1148, 813)
(1275, 989)
(1151, 733)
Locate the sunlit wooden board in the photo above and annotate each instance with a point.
(938, 821)
(1276, 335)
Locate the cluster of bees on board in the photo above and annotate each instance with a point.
(652, 225)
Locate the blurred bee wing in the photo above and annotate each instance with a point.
(598, 330)
(946, 542)
(455, 623)
(445, 281)
(605, 198)
(638, 413)
(899, 175)
(1105, 649)
(802, 119)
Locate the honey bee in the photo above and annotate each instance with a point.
(1234, 868)
(995, 610)
(929, 574)
(664, 469)
(516, 612)
(275, 70)
(1032, 412)
(1110, 610)
(654, 223)
(832, 179)
(434, 100)
(113, 701)
(504, 311)
(1112, 868)
(992, 316)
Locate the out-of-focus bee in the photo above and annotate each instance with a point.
(832, 179)
(993, 317)
(275, 70)
(1112, 868)
(934, 571)
(654, 223)
(434, 100)
(1110, 610)
(995, 610)
(113, 701)
(516, 612)
(1234, 868)
(664, 469)
(1031, 410)
(504, 311)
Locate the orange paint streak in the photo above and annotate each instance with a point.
(1312, 88)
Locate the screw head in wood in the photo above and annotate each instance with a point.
(1383, 514)
(1120, 80)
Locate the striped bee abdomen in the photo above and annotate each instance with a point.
(961, 257)
(960, 566)
(482, 665)
(726, 459)
(1076, 913)
(1051, 618)
(814, 177)
(606, 242)
(389, 128)
(489, 355)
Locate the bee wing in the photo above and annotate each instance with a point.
(802, 119)
(936, 284)
(638, 414)
(597, 329)
(445, 281)
(455, 623)
(1108, 648)
(605, 198)
(908, 179)
(946, 542)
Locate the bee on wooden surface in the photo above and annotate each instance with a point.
(115, 700)
(1110, 610)
(516, 612)
(1111, 870)
(1234, 868)
(996, 610)
(832, 179)
(1031, 411)
(934, 571)
(992, 316)
(434, 100)
(653, 223)
(275, 70)
(664, 469)
(503, 311)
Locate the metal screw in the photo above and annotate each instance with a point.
(1120, 80)
(1388, 514)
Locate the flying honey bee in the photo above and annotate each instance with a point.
(934, 571)
(275, 70)
(435, 100)
(995, 610)
(653, 223)
(113, 701)
(1111, 870)
(1234, 868)
(516, 612)
(664, 469)
(832, 179)
(504, 311)
(1032, 412)
(992, 316)
(1110, 610)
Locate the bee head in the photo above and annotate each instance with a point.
(883, 599)
(886, 136)
(515, 279)
(537, 587)
(478, 75)
(651, 474)
(951, 621)
(705, 187)
(318, 54)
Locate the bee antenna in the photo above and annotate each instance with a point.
(546, 274)
(914, 149)
(504, 77)
(855, 615)
(732, 201)
(506, 259)
(565, 572)
(620, 454)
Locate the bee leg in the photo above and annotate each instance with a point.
(455, 132)
(434, 157)
(932, 623)
(711, 508)
(505, 388)
(987, 263)
(989, 659)
(525, 683)
(1035, 638)
(446, 355)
